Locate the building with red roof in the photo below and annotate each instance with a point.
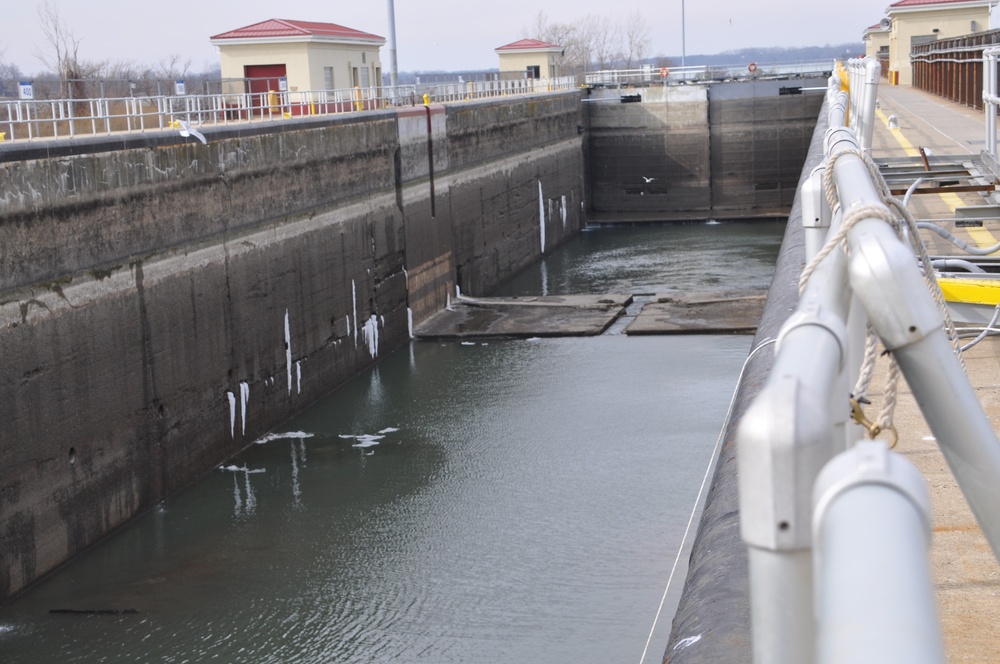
(876, 39)
(529, 58)
(914, 22)
(280, 54)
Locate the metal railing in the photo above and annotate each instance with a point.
(705, 73)
(838, 530)
(863, 79)
(953, 68)
(68, 118)
(991, 99)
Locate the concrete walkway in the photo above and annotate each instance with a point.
(966, 574)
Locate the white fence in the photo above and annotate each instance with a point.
(67, 118)
(675, 75)
(838, 528)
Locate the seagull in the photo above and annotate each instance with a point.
(648, 180)
(187, 130)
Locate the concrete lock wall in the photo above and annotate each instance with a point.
(722, 150)
(164, 303)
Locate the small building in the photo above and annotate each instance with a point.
(283, 55)
(914, 22)
(529, 58)
(876, 39)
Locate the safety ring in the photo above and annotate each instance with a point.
(752, 67)
(664, 71)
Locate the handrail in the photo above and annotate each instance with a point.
(810, 493)
(695, 73)
(991, 99)
(864, 76)
(68, 118)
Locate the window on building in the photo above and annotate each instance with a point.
(365, 77)
(328, 78)
(534, 71)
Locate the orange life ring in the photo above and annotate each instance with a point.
(664, 71)
(752, 67)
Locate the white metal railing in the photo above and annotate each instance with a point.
(67, 118)
(673, 75)
(864, 75)
(991, 99)
(838, 530)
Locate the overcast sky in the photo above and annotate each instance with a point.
(431, 34)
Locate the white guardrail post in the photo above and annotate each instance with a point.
(784, 439)
(874, 591)
(990, 98)
(850, 582)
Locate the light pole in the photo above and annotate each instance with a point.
(393, 70)
(683, 38)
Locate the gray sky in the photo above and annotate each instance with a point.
(431, 34)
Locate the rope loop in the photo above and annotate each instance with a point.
(892, 211)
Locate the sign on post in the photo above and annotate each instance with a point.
(180, 88)
(25, 90)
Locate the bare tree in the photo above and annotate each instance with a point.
(62, 54)
(636, 40)
(173, 67)
(606, 42)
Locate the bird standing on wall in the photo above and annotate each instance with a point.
(187, 130)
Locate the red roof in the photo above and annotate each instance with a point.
(527, 45)
(277, 27)
(920, 3)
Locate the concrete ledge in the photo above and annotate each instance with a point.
(714, 314)
(553, 316)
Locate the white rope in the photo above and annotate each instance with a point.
(906, 229)
(701, 491)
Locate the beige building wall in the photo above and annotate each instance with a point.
(875, 40)
(306, 63)
(943, 23)
(517, 62)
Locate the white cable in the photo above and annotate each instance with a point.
(701, 491)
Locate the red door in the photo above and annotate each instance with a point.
(262, 80)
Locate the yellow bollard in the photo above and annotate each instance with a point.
(3, 136)
(427, 99)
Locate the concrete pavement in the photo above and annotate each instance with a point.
(966, 574)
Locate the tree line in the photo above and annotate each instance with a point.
(67, 74)
(595, 42)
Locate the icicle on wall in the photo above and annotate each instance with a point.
(288, 352)
(541, 215)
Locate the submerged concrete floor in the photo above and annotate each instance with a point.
(966, 574)
(588, 315)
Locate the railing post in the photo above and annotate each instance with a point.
(784, 439)
(872, 533)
